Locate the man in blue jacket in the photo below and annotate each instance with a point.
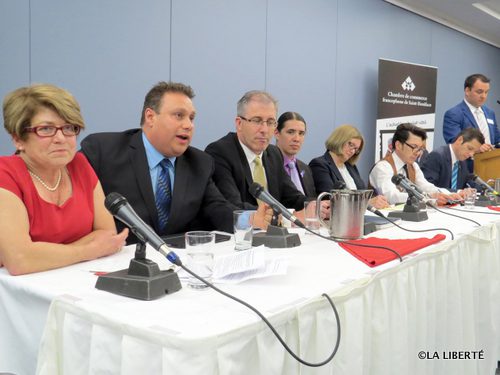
(472, 113)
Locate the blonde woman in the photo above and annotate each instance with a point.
(52, 210)
(338, 163)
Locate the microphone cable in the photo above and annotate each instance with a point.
(460, 217)
(380, 214)
(119, 207)
(273, 330)
(475, 212)
(357, 244)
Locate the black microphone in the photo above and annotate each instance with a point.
(119, 207)
(375, 211)
(480, 181)
(258, 192)
(403, 182)
(498, 101)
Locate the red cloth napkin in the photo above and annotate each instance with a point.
(373, 256)
(494, 208)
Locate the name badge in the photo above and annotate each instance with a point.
(490, 121)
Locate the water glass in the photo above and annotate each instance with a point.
(310, 216)
(243, 229)
(200, 257)
(469, 198)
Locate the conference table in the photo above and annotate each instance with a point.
(437, 312)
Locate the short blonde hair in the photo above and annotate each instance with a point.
(21, 105)
(340, 137)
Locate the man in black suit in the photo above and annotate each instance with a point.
(439, 165)
(246, 156)
(129, 163)
(290, 133)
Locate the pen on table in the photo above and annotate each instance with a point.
(98, 273)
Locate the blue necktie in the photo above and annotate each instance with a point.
(163, 197)
(454, 176)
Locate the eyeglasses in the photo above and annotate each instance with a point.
(352, 146)
(257, 121)
(50, 130)
(415, 149)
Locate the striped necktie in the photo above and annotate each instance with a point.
(259, 175)
(454, 176)
(163, 198)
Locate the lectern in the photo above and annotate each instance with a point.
(487, 164)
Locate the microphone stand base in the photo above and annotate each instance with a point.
(409, 216)
(142, 280)
(369, 228)
(276, 237)
(483, 201)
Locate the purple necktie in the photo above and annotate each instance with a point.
(294, 175)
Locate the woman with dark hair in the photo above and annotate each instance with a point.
(337, 166)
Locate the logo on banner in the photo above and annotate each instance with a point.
(408, 84)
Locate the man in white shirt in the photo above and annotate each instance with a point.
(472, 113)
(407, 145)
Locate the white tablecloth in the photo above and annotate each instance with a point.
(443, 299)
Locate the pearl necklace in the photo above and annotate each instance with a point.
(49, 188)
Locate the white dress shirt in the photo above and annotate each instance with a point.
(480, 118)
(250, 155)
(380, 179)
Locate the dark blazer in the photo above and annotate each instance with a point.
(120, 162)
(306, 178)
(460, 117)
(326, 173)
(437, 169)
(233, 175)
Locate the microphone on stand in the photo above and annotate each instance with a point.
(411, 211)
(403, 182)
(143, 279)
(481, 182)
(275, 237)
(119, 207)
(258, 192)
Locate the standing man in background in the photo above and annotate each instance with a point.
(290, 134)
(472, 113)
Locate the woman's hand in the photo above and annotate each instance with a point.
(379, 202)
(104, 242)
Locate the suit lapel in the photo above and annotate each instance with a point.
(181, 185)
(139, 162)
(271, 176)
(245, 168)
(333, 168)
(448, 167)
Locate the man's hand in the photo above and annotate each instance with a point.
(486, 147)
